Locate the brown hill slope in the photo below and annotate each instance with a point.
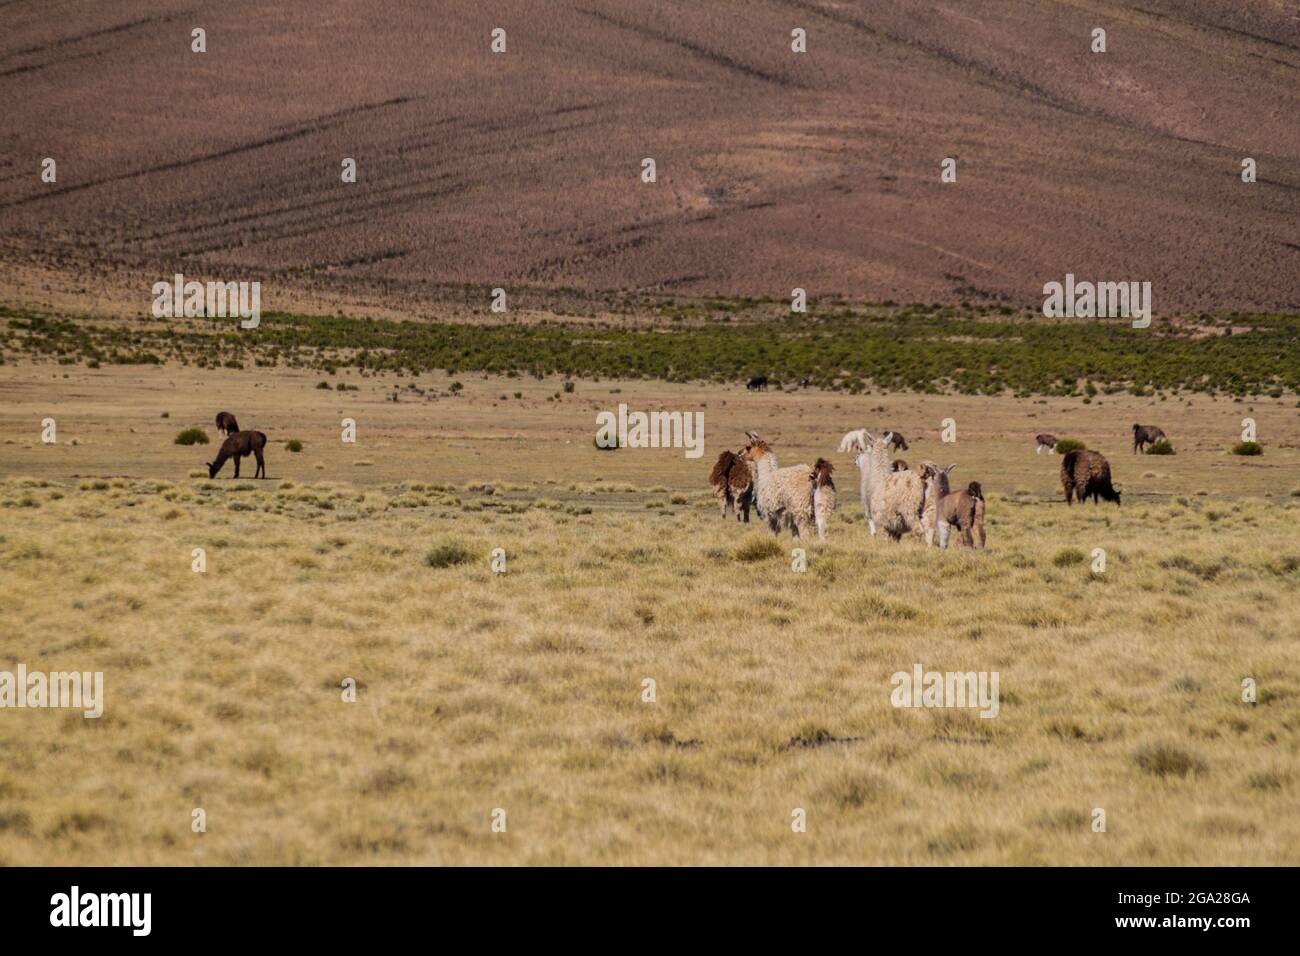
(776, 170)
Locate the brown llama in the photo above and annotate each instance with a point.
(1085, 473)
(823, 495)
(945, 510)
(1044, 440)
(237, 446)
(226, 423)
(1144, 435)
(732, 485)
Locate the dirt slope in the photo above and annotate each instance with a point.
(776, 170)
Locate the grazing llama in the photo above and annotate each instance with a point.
(1044, 440)
(858, 438)
(1144, 435)
(893, 500)
(237, 446)
(783, 496)
(732, 485)
(1085, 473)
(226, 423)
(823, 495)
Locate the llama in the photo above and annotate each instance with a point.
(1044, 441)
(732, 485)
(1144, 435)
(945, 509)
(757, 384)
(1085, 473)
(237, 446)
(857, 439)
(823, 495)
(893, 500)
(783, 496)
(226, 423)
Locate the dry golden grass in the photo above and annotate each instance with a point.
(524, 690)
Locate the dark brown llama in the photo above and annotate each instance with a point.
(226, 423)
(237, 446)
(1144, 435)
(1044, 440)
(1085, 473)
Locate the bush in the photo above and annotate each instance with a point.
(757, 549)
(323, 384)
(192, 436)
(1161, 447)
(448, 554)
(568, 386)
(1248, 448)
(1068, 556)
(1068, 444)
(293, 445)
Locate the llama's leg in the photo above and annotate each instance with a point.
(237, 457)
(261, 465)
(943, 534)
(979, 532)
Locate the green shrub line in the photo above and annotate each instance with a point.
(1248, 448)
(1066, 445)
(927, 349)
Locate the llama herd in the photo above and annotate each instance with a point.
(898, 500)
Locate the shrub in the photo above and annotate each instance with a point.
(757, 549)
(323, 384)
(1161, 447)
(1068, 444)
(192, 436)
(1248, 448)
(568, 386)
(293, 445)
(1068, 556)
(1162, 760)
(448, 554)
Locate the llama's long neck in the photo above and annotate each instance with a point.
(876, 466)
(764, 467)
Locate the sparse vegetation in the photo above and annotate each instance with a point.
(1066, 445)
(1248, 448)
(918, 348)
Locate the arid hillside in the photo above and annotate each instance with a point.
(775, 169)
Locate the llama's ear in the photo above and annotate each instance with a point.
(867, 437)
(889, 436)
(751, 436)
(950, 469)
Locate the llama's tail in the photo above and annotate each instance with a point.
(975, 491)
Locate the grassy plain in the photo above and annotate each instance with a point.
(523, 691)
